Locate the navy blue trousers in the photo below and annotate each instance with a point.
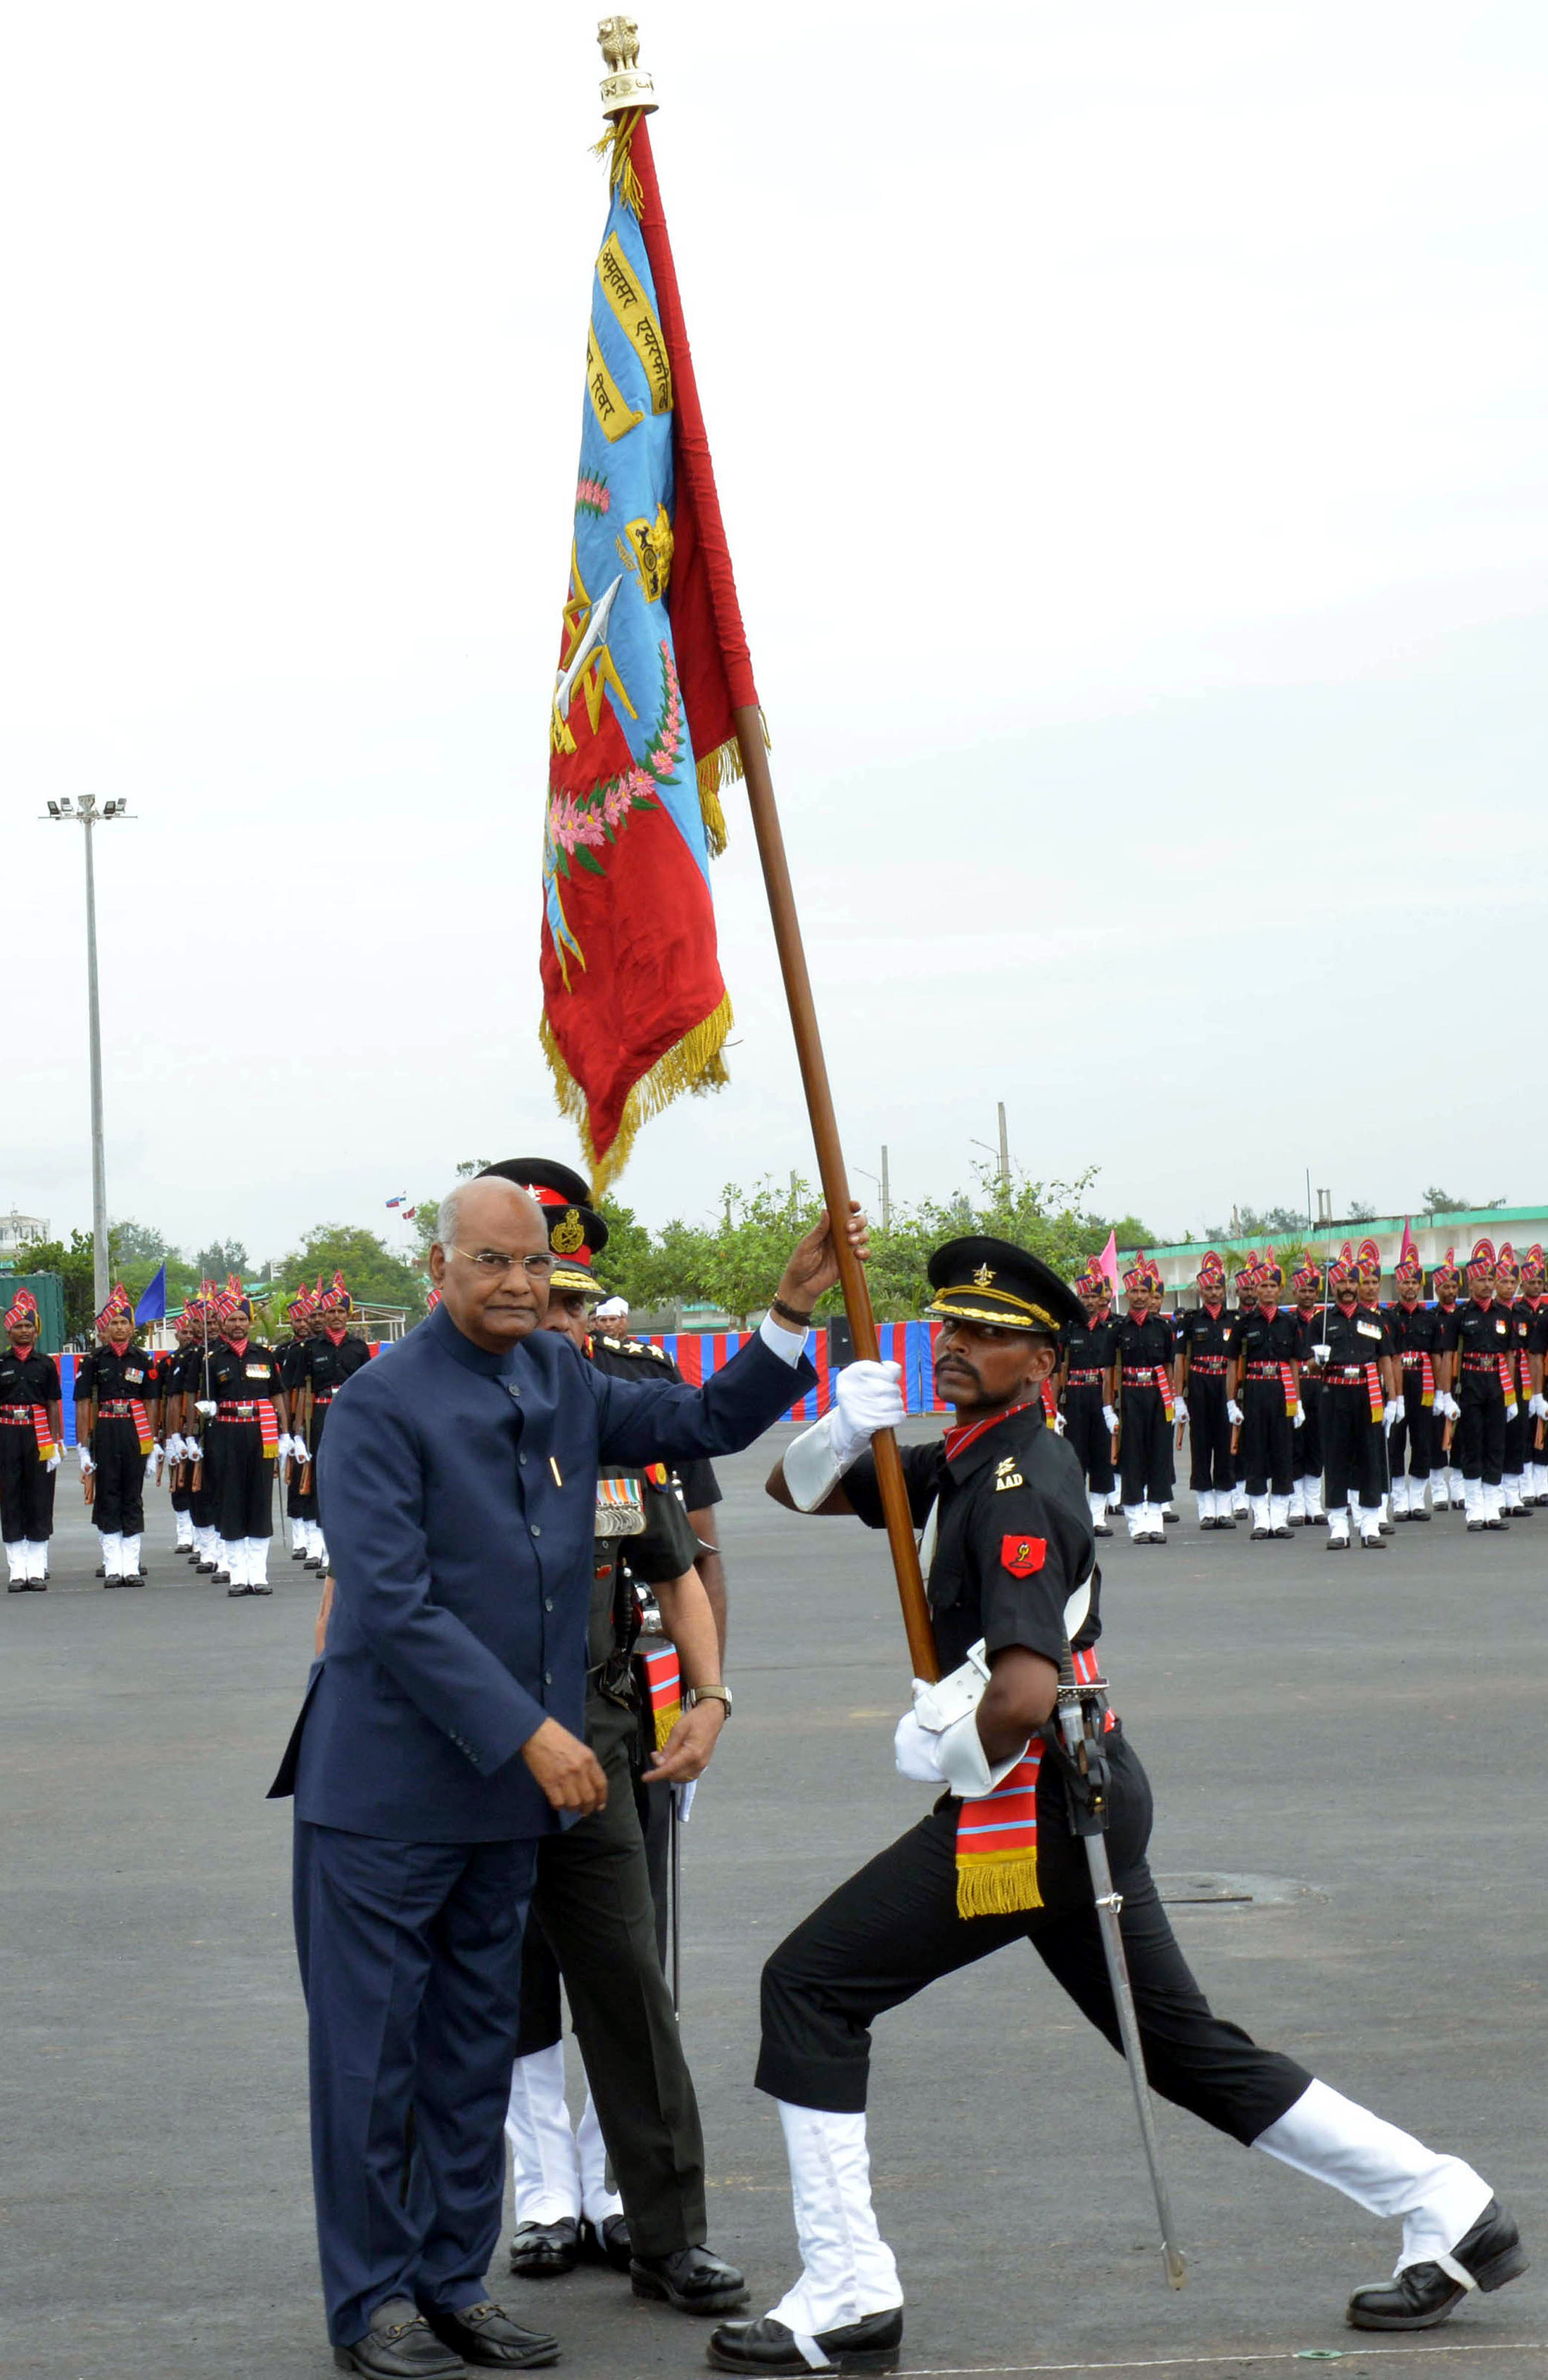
(411, 1965)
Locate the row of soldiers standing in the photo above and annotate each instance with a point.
(1379, 1407)
(216, 1414)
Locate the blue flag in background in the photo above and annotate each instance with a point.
(152, 1303)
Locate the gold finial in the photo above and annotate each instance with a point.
(623, 85)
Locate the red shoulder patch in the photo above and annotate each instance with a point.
(1022, 1555)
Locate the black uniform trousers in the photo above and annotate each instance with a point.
(1480, 1439)
(1414, 1443)
(1267, 1439)
(26, 1482)
(893, 1928)
(1088, 1434)
(1354, 1453)
(1309, 1437)
(118, 1503)
(241, 1479)
(1145, 1448)
(1209, 1434)
(593, 1902)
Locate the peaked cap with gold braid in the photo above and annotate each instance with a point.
(979, 1280)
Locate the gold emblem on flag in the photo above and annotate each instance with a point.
(568, 1235)
(983, 1276)
(623, 85)
(649, 552)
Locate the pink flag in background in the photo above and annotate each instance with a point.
(1109, 1261)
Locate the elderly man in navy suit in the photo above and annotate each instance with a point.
(442, 1738)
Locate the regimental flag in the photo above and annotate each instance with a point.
(653, 664)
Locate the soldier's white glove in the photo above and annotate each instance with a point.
(1058, 1425)
(1110, 1418)
(1539, 1408)
(866, 1398)
(1511, 1409)
(175, 1448)
(150, 1461)
(947, 1713)
(1323, 1350)
(1394, 1412)
(54, 1461)
(1299, 1416)
(192, 1451)
(1233, 1413)
(1180, 1409)
(86, 1462)
(206, 1406)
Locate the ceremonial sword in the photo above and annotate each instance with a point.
(1087, 1771)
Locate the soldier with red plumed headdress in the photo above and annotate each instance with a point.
(1265, 1380)
(245, 1412)
(1368, 1296)
(333, 1353)
(1360, 1378)
(1146, 1384)
(1485, 1343)
(1534, 1294)
(1445, 1479)
(1520, 1426)
(115, 1385)
(31, 1438)
(1088, 1352)
(300, 1500)
(1415, 1435)
(1206, 1348)
(1306, 1496)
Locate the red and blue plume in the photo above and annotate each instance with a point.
(1481, 1260)
(25, 1310)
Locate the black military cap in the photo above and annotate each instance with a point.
(980, 1280)
(541, 1174)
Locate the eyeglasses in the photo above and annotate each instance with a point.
(490, 1261)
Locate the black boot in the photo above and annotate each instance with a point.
(766, 2346)
(542, 2252)
(692, 2279)
(1423, 2295)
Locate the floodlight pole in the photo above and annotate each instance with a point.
(86, 814)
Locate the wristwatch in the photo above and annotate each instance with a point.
(709, 1695)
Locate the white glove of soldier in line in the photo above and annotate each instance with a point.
(54, 1461)
(917, 1751)
(1394, 1412)
(175, 1448)
(150, 1461)
(1299, 1416)
(1180, 1409)
(1538, 1408)
(1058, 1425)
(87, 1464)
(207, 1407)
(1110, 1418)
(192, 1451)
(866, 1398)
(1512, 1409)
(1323, 1351)
(1233, 1413)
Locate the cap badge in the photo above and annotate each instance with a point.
(568, 1235)
(983, 1276)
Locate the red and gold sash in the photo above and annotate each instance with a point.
(1163, 1384)
(996, 1835)
(1506, 1380)
(143, 1425)
(664, 1685)
(1050, 1407)
(1292, 1398)
(1374, 1390)
(268, 1429)
(43, 1434)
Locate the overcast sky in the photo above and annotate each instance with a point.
(1130, 430)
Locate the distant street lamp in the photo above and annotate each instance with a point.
(86, 813)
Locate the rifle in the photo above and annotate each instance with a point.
(89, 1485)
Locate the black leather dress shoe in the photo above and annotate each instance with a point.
(1400, 1516)
(1423, 2295)
(766, 2346)
(1224, 1521)
(1258, 1536)
(1501, 1523)
(400, 2345)
(541, 2251)
(485, 2335)
(691, 2279)
(1419, 1515)
(608, 2243)
(1280, 1533)
(1100, 1529)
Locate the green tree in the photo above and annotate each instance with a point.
(72, 1260)
(374, 1275)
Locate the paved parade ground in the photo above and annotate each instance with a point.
(1353, 1742)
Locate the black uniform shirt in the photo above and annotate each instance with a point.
(1482, 1332)
(1013, 1538)
(1537, 1335)
(1200, 1332)
(30, 1379)
(1448, 1329)
(1142, 1345)
(665, 1548)
(1413, 1333)
(327, 1367)
(111, 1378)
(1521, 1319)
(636, 1359)
(1089, 1346)
(1268, 1338)
(1308, 1334)
(242, 1379)
(1360, 1337)
(291, 1358)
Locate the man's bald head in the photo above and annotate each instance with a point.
(489, 1259)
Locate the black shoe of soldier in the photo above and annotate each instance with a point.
(541, 2251)
(1387, 1528)
(1419, 1515)
(1278, 1533)
(1100, 1529)
(241, 1590)
(400, 2345)
(1257, 1536)
(608, 2243)
(1171, 1519)
(133, 1578)
(261, 1587)
(1401, 1516)
(297, 1553)
(101, 1573)
(691, 2279)
(1225, 1522)
(1316, 1520)
(1298, 1520)
(1501, 1523)
(1423, 2295)
(205, 1569)
(485, 2335)
(1477, 1525)
(766, 2346)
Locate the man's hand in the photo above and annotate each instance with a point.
(567, 1770)
(689, 1748)
(812, 1265)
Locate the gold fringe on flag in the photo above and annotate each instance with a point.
(722, 766)
(997, 1884)
(618, 138)
(666, 1718)
(692, 1064)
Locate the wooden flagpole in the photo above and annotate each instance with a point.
(830, 1170)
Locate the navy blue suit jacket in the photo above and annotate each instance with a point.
(460, 1489)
